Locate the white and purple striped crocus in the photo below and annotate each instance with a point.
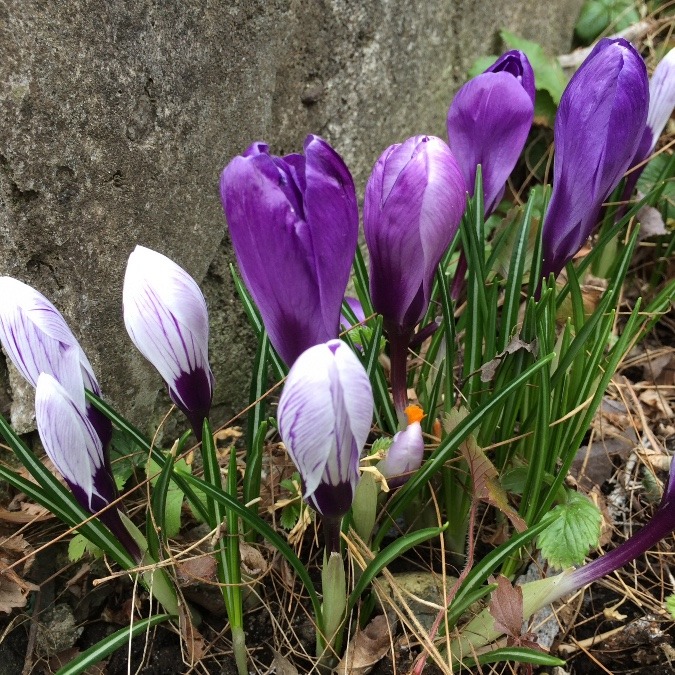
(661, 104)
(598, 127)
(325, 413)
(414, 201)
(37, 340)
(166, 317)
(404, 455)
(488, 123)
(74, 446)
(294, 223)
(537, 594)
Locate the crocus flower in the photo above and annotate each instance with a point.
(661, 104)
(488, 123)
(294, 222)
(414, 201)
(598, 128)
(37, 340)
(325, 412)
(406, 451)
(166, 318)
(538, 594)
(73, 445)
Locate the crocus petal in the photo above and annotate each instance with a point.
(74, 446)
(414, 201)
(488, 123)
(166, 317)
(404, 455)
(357, 308)
(294, 225)
(661, 96)
(38, 340)
(325, 413)
(599, 125)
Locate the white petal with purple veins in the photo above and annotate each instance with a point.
(67, 435)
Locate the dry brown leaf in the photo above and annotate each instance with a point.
(252, 560)
(197, 570)
(13, 589)
(282, 666)
(486, 486)
(655, 399)
(192, 638)
(367, 648)
(488, 370)
(29, 513)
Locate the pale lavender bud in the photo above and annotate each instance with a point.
(73, 445)
(325, 413)
(166, 317)
(37, 340)
(404, 455)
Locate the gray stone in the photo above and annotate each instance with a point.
(117, 118)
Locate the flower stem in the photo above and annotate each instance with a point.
(398, 353)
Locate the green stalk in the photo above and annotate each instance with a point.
(227, 547)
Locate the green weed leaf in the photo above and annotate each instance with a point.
(670, 604)
(575, 530)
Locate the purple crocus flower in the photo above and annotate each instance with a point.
(37, 340)
(73, 445)
(165, 315)
(325, 413)
(406, 451)
(598, 128)
(488, 123)
(294, 222)
(414, 201)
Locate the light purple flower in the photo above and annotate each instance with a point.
(598, 128)
(166, 317)
(414, 201)
(73, 445)
(293, 221)
(404, 455)
(325, 413)
(488, 123)
(37, 340)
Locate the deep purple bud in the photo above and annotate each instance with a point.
(325, 413)
(414, 200)
(598, 127)
(73, 445)
(38, 340)
(488, 123)
(165, 315)
(294, 226)
(404, 455)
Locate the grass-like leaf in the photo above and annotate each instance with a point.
(108, 645)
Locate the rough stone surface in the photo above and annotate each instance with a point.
(117, 118)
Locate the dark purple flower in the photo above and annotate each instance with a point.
(414, 201)
(166, 317)
(73, 445)
(488, 123)
(598, 127)
(325, 413)
(294, 222)
(37, 340)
